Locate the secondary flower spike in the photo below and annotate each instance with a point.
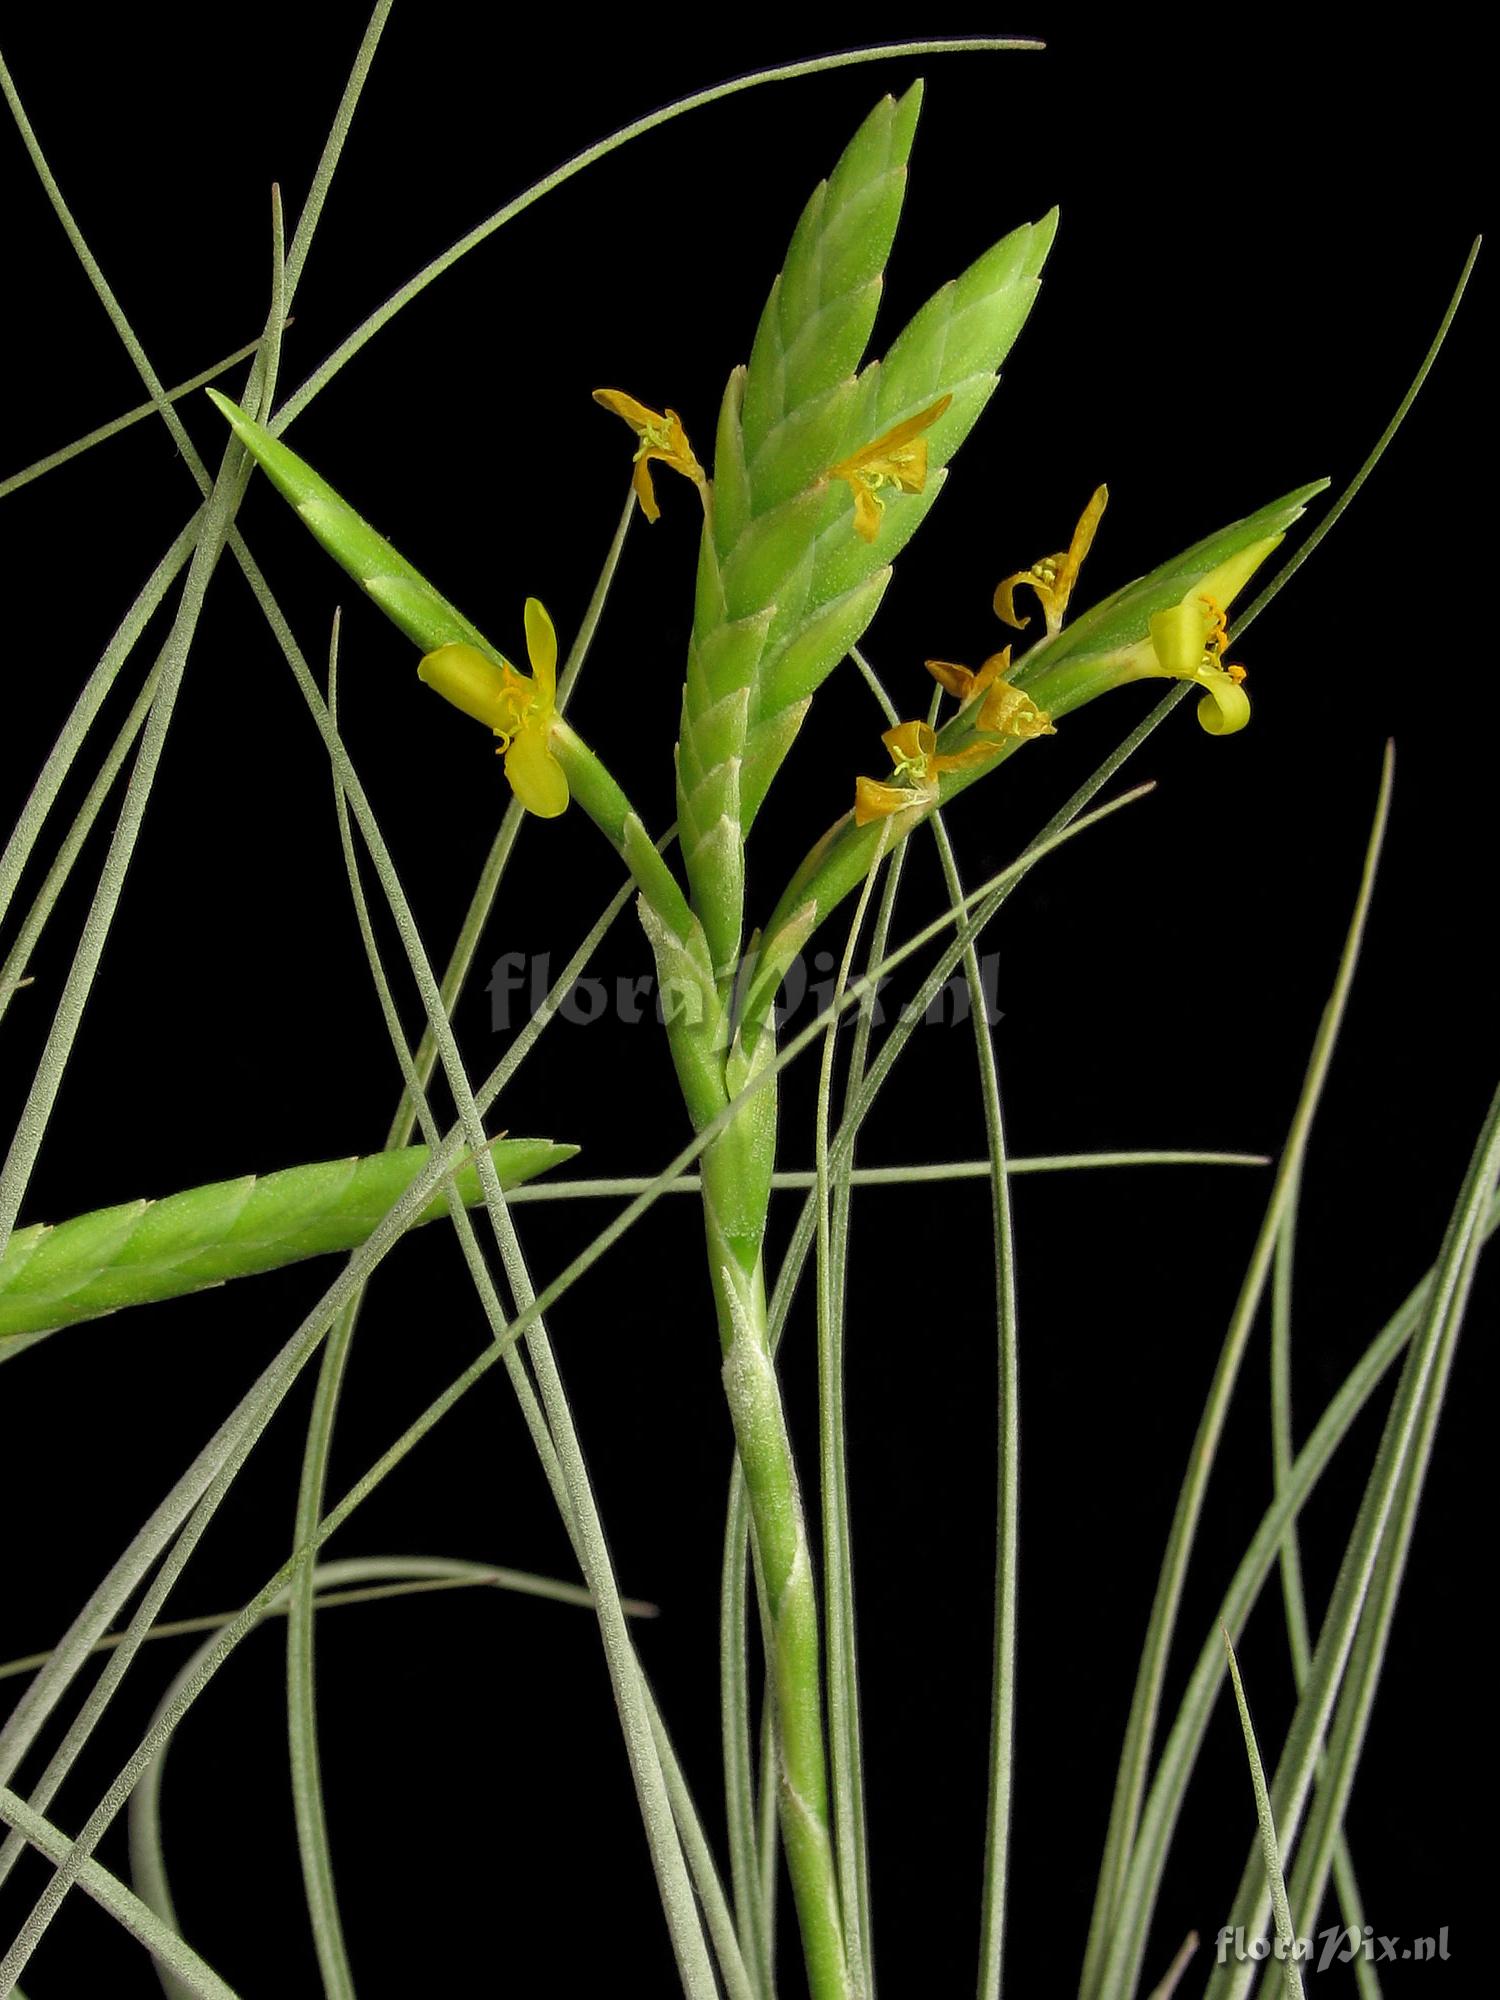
(1004, 710)
(898, 458)
(1186, 642)
(661, 437)
(919, 764)
(519, 708)
(1052, 579)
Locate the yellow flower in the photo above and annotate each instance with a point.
(1005, 710)
(898, 459)
(661, 436)
(1053, 578)
(919, 764)
(519, 708)
(1186, 642)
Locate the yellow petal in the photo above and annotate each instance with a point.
(679, 453)
(959, 681)
(873, 800)
(1225, 707)
(894, 450)
(635, 414)
(1225, 583)
(1053, 578)
(645, 492)
(910, 743)
(867, 511)
(1005, 598)
(907, 467)
(959, 760)
(1010, 711)
(541, 650)
(475, 683)
(1179, 636)
(1083, 538)
(536, 777)
(995, 668)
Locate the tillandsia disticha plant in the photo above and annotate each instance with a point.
(830, 446)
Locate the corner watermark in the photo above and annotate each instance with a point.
(1337, 1945)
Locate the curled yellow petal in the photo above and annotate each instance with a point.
(1179, 637)
(661, 437)
(1010, 711)
(1051, 579)
(1225, 707)
(948, 674)
(911, 745)
(491, 692)
(536, 777)
(873, 800)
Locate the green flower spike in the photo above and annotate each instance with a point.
(521, 711)
(1186, 642)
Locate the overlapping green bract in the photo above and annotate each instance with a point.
(779, 430)
(785, 586)
(146, 1250)
(382, 572)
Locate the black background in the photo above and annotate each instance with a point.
(1261, 222)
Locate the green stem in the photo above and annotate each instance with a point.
(784, 1553)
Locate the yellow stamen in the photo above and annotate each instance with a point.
(520, 709)
(1052, 579)
(897, 458)
(661, 437)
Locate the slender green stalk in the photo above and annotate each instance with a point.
(1293, 563)
(697, 101)
(1387, 1509)
(70, 738)
(997, 1169)
(216, 522)
(737, 1727)
(896, 1177)
(841, 1578)
(1113, 1922)
(179, 1960)
(681, 1913)
(1286, 1935)
(218, 1465)
(838, 1566)
(311, 1828)
(1007, 1499)
(1169, 1983)
(428, 1574)
(44, 902)
(302, 1723)
(1293, 1595)
(112, 429)
(147, 1856)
